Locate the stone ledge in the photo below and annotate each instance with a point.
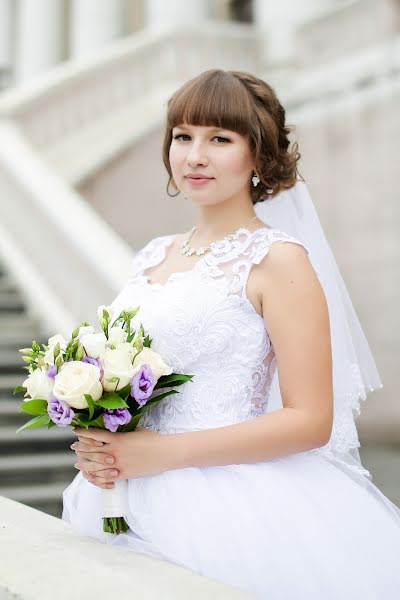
(41, 557)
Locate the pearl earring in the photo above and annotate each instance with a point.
(255, 179)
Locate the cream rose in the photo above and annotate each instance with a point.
(154, 360)
(38, 385)
(94, 344)
(75, 379)
(117, 362)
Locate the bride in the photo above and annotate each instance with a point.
(251, 475)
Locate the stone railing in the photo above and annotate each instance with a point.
(65, 260)
(59, 131)
(42, 558)
(331, 34)
(103, 103)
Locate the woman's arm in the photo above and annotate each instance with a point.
(296, 317)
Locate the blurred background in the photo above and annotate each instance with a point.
(84, 86)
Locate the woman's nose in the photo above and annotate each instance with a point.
(197, 154)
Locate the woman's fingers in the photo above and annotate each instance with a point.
(83, 447)
(90, 441)
(94, 435)
(101, 482)
(96, 457)
(94, 468)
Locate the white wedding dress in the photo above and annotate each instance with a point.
(301, 527)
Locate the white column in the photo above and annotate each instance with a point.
(95, 23)
(5, 37)
(39, 34)
(159, 13)
(276, 21)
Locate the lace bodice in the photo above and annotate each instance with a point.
(203, 324)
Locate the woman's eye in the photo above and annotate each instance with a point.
(180, 135)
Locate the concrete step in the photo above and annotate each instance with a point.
(34, 493)
(11, 302)
(10, 361)
(56, 460)
(9, 382)
(7, 285)
(9, 414)
(14, 339)
(45, 497)
(37, 433)
(37, 440)
(28, 469)
(11, 321)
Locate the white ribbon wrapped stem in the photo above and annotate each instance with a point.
(115, 499)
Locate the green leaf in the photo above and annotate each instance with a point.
(91, 405)
(157, 399)
(131, 426)
(173, 379)
(51, 424)
(34, 407)
(18, 389)
(38, 421)
(124, 391)
(80, 420)
(98, 422)
(112, 400)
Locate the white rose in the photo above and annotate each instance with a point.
(38, 385)
(94, 344)
(154, 360)
(53, 341)
(117, 336)
(117, 362)
(75, 379)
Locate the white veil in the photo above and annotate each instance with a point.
(354, 370)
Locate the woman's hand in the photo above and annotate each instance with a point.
(104, 456)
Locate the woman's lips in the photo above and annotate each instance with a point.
(197, 181)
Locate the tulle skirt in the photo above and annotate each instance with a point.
(294, 528)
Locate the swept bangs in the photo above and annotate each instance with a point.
(218, 100)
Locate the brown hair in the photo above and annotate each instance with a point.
(241, 102)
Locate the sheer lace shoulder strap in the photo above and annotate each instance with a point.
(235, 264)
(151, 253)
(263, 238)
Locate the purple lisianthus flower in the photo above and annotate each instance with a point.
(96, 362)
(52, 371)
(142, 384)
(114, 417)
(59, 412)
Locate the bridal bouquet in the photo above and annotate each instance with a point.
(105, 379)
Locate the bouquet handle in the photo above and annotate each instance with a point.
(115, 501)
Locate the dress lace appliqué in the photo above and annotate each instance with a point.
(204, 324)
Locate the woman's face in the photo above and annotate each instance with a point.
(221, 155)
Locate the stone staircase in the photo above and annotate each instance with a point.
(36, 464)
